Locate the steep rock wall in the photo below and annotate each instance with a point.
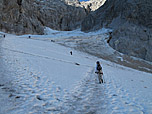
(131, 21)
(30, 16)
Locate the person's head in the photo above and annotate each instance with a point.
(98, 62)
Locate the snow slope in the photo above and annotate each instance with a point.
(39, 76)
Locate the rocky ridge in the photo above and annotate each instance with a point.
(30, 16)
(131, 21)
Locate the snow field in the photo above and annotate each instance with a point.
(39, 76)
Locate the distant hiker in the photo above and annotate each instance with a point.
(71, 52)
(99, 72)
(4, 35)
(29, 36)
(52, 40)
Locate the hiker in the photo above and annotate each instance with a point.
(71, 52)
(98, 67)
(99, 72)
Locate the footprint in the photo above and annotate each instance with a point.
(11, 95)
(39, 97)
(114, 95)
(17, 97)
(1, 85)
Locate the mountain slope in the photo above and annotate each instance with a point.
(131, 24)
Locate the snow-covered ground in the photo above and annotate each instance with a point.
(39, 76)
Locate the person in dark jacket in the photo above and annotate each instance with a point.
(98, 67)
(99, 72)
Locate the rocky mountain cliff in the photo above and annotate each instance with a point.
(131, 21)
(92, 4)
(30, 16)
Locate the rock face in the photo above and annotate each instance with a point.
(131, 21)
(30, 16)
(58, 15)
(16, 17)
(93, 4)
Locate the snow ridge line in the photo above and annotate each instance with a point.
(46, 57)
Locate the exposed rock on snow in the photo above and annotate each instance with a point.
(131, 21)
(29, 16)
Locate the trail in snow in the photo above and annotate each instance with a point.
(87, 97)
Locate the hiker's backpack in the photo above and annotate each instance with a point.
(99, 67)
